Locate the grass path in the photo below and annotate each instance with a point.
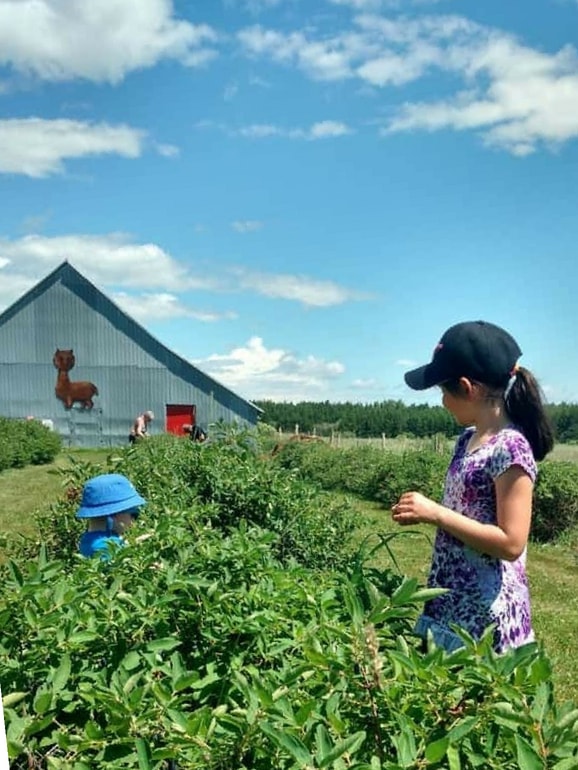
(24, 490)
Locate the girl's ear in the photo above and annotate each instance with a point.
(467, 387)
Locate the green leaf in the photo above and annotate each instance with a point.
(323, 742)
(349, 745)
(12, 698)
(143, 754)
(569, 763)
(290, 743)
(131, 660)
(184, 682)
(436, 750)
(180, 721)
(130, 683)
(62, 674)
(39, 725)
(409, 593)
(568, 720)
(81, 637)
(92, 731)
(305, 711)
(42, 701)
(15, 573)
(354, 606)
(527, 756)
(542, 701)
(161, 645)
(453, 755)
(403, 593)
(462, 728)
(406, 748)
(30, 615)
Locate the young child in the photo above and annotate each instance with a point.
(110, 504)
(483, 523)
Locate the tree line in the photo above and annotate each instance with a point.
(388, 418)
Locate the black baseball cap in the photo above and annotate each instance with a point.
(477, 350)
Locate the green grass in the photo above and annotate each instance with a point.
(553, 570)
(25, 490)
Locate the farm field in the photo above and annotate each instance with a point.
(553, 569)
(561, 452)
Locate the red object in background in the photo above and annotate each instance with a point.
(178, 415)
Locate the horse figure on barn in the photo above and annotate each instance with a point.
(71, 392)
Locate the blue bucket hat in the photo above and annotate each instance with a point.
(106, 495)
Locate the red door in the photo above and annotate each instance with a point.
(177, 416)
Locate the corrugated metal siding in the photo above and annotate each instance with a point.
(131, 370)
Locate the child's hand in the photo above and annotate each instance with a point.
(414, 508)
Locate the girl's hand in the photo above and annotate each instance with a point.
(414, 508)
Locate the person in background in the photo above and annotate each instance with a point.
(483, 523)
(139, 428)
(110, 504)
(195, 432)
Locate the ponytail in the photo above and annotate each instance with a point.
(525, 405)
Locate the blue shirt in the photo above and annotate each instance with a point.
(97, 544)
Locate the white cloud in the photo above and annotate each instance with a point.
(368, 384)
(247, 225)
(12, 285)
(259, 82)
(328, 128)
(324, 59)
(100, 41)
(376, 52)
(36, 147)
(325, 129)
(168, 150)
(300, 288)
(260, 131)
(405, 362)
(116, 260)
(163, 306)
(109, 260)
(517, 97)
(277, 374)
(530, 98)
(360, 5)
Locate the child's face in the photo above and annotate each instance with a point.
(459, 406)
(124, 520)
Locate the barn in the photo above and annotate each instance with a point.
(70, 355)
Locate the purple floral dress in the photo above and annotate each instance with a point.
(483, 590)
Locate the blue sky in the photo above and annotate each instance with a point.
(300, 196)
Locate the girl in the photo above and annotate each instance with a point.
(483, 523)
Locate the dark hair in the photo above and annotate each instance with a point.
(525, 406)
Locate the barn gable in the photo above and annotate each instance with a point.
(128, 368)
